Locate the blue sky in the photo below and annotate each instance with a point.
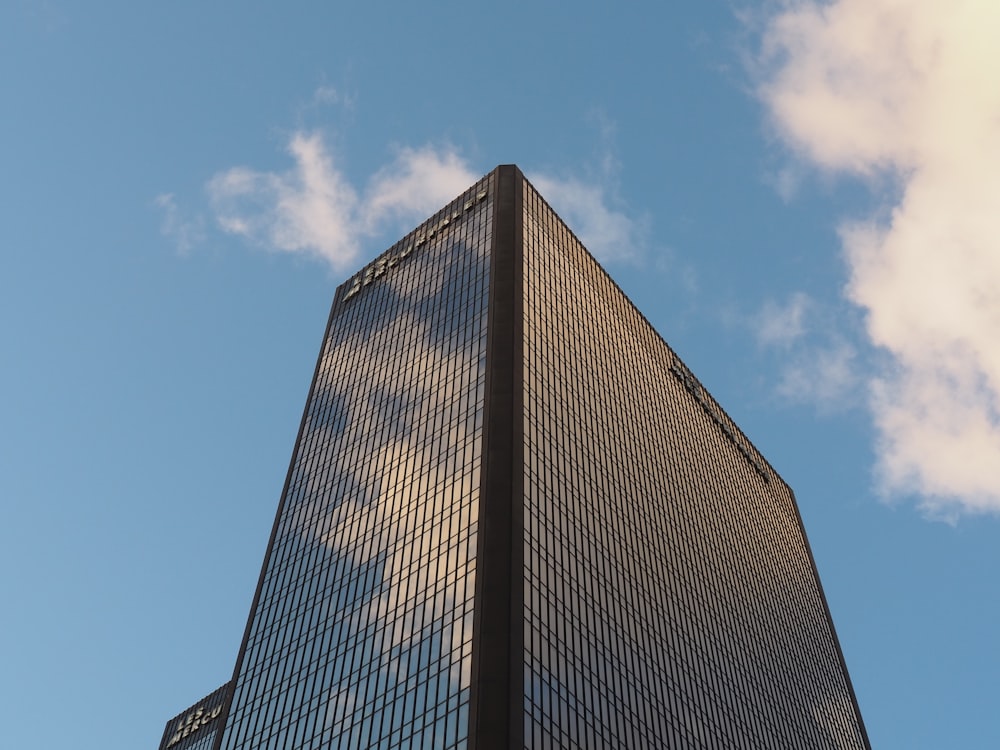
(800, 197)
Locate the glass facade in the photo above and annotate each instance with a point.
(670, 599)
(361, 636)
(197, 727)
(514, 519)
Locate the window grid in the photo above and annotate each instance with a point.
(669, 594)
(362, 634)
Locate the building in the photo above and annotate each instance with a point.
(514, 518)
(197, 727)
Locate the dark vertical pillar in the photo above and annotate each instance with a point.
(496, 717)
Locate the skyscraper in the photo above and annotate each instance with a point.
(514, 518)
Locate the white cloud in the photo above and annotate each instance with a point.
(416, 184)
(910, 91)
(312, 208)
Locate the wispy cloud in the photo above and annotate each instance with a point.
(590, 202)
(593, 214)
(785, 181)
(824, 375)
(907, 96)
(185, 232)
(326, 94)
(417, 183)
(818, 366)
(313, 208)
(781, 324)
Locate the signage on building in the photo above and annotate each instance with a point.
(193, 722)
(382, 265)
(683, 374)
